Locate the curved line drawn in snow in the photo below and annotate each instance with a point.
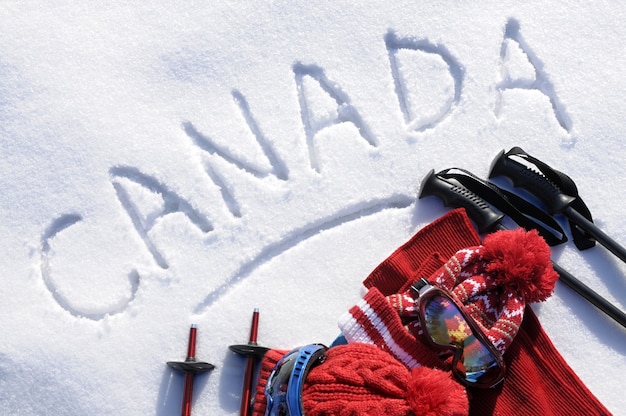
(297, 237)
(58, 225)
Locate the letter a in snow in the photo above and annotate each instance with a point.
(145, 221)
(535, 78)
(336, 108)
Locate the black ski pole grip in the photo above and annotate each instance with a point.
(457, 196)
(524, 176)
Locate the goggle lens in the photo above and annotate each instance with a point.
(447, 327)
(276, 389)
(284, 385)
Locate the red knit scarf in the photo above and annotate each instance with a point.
(539, 381)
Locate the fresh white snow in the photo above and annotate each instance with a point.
(171, 163)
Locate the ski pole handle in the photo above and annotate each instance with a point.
(486, 220)
(518, 169)
(455, 195)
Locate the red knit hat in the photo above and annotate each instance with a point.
(362, 380)
(539, 380)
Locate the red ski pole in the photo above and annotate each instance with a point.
(190, 367)
(246, 391)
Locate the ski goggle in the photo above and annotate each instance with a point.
(448, 329)
(284, 385)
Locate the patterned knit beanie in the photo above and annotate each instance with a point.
(362, 380)
(497, 279)
(494, 281)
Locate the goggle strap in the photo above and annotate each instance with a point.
(417, 286)
(308, 356)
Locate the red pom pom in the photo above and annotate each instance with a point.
(520, 260)
(433, 392)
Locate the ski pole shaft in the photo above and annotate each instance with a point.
(485, 218)
(246, 392)
(188, 381)
(599, 235)
(594, 298)
(187, 395)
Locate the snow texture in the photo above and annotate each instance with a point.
(171, 163)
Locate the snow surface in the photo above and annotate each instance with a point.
(171, 163)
